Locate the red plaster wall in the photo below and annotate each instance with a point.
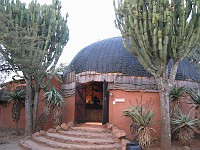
(49, 123)
(115, 110)
(6, 117)
(6, 112)
(69, 109)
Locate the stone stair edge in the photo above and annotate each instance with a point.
(84, 134)
(118, 135)
(90, 141)
(89, 129)
(54, 144)
(31, 145)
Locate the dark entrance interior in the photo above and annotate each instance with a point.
(91, 102)
(94, 101)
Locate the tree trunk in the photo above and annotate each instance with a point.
(165, 119)
(36, 100)
(28, 106)
(165, 83)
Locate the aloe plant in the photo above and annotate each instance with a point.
(142, 120)
(185, 127)
(177, 92)
(54, 103)
(57, 100)
(195, 99)
(18, 98)
(175, 96)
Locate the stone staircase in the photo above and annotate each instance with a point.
(74, 138)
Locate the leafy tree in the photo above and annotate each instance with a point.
(32, 39)
(158, 32)
(61, 67)
(5, 67)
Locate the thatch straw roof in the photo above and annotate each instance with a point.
(110, 56)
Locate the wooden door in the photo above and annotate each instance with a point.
(105, 117)
(80, 95)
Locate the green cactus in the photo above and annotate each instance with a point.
(34, 37)
(157, 31)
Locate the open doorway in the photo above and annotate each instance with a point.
(91, 102)
(94, 101)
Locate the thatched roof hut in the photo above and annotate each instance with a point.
(109, 60)
(107, 69)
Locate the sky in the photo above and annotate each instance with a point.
(89, 21)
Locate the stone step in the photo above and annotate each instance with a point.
(75, 146)
(89, 129)
(31, 145)
(74, 140)
(83, 134)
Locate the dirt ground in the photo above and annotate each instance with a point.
(195, 145)
(10, 141)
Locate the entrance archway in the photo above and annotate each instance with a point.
(91, 102)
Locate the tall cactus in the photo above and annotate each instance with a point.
(157, 31)
(33, 39)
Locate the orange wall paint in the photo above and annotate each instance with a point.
(115, 110)
(6, 117)
(6, 112)
(69, 109)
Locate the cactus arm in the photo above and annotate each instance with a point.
(158, 30)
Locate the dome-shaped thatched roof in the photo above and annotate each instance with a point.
(110, 56)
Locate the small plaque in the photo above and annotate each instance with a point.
(119, 100)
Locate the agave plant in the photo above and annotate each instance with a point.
(18, 98)
(54, 103)
(195, 99)
(185, 127)
(142, 120)
(175, 96)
